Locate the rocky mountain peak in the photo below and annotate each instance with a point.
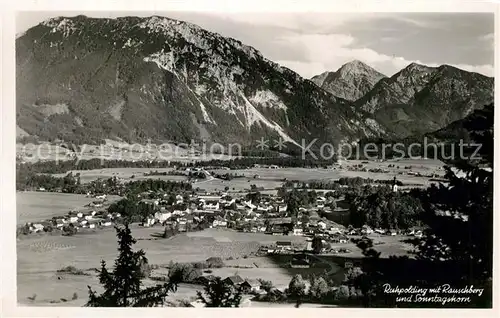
(351, 81)
(356, 67)
(414, 71)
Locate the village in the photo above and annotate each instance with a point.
(263, 223)
(324, 216)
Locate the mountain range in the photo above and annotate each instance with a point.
(419, 99)
(84, 80)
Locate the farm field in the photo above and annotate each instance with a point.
(87, 176)
(228, 236)
(112, 150)
(303, 174)
(40, 256)
(37, 206)
(237, 184)
(50, 288)
(270, 179)
(422, 166)
(419, 165)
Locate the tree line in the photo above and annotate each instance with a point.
(380, 207)
(54, 167)
(71, 183)
(336, 185)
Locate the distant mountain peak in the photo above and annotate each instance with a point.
(351, 81)
(416, 68)
(354, 63)
(415, 65)
(356, 66)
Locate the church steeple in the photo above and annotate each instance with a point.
(394, 185)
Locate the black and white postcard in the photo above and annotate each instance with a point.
(295, 158)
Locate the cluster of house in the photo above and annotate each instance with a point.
(366, 230)
(187, 210)
(247, 285)
(219, 210)
(233, 211)
(239, 213)
(266, 166)
(362, 168)
(78, 219)
(223, 209)
(286, 247)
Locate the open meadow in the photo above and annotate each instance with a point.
(236, 185)
(424, 167)
(113, 150)
(39, 256)
(405, 171)
(87, 176)
(38, 206)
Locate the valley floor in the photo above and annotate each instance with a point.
(41, 255)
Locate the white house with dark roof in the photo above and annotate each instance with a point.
(37, 227)
(219, 222)
(234, 280)
(298, 231)
(162, 216)
(322, 225)
(211, 205)
(282, 208)
(251, 285)
(59, 223)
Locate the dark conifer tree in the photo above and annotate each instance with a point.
(123, 285)
(220, 294)
(459, 214)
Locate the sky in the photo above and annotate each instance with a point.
(312, 43)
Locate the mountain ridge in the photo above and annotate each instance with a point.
(420, 98)
(86, 79)
(202, 86)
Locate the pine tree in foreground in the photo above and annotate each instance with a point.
(123, 286)
(297, 289)
(220, 294)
